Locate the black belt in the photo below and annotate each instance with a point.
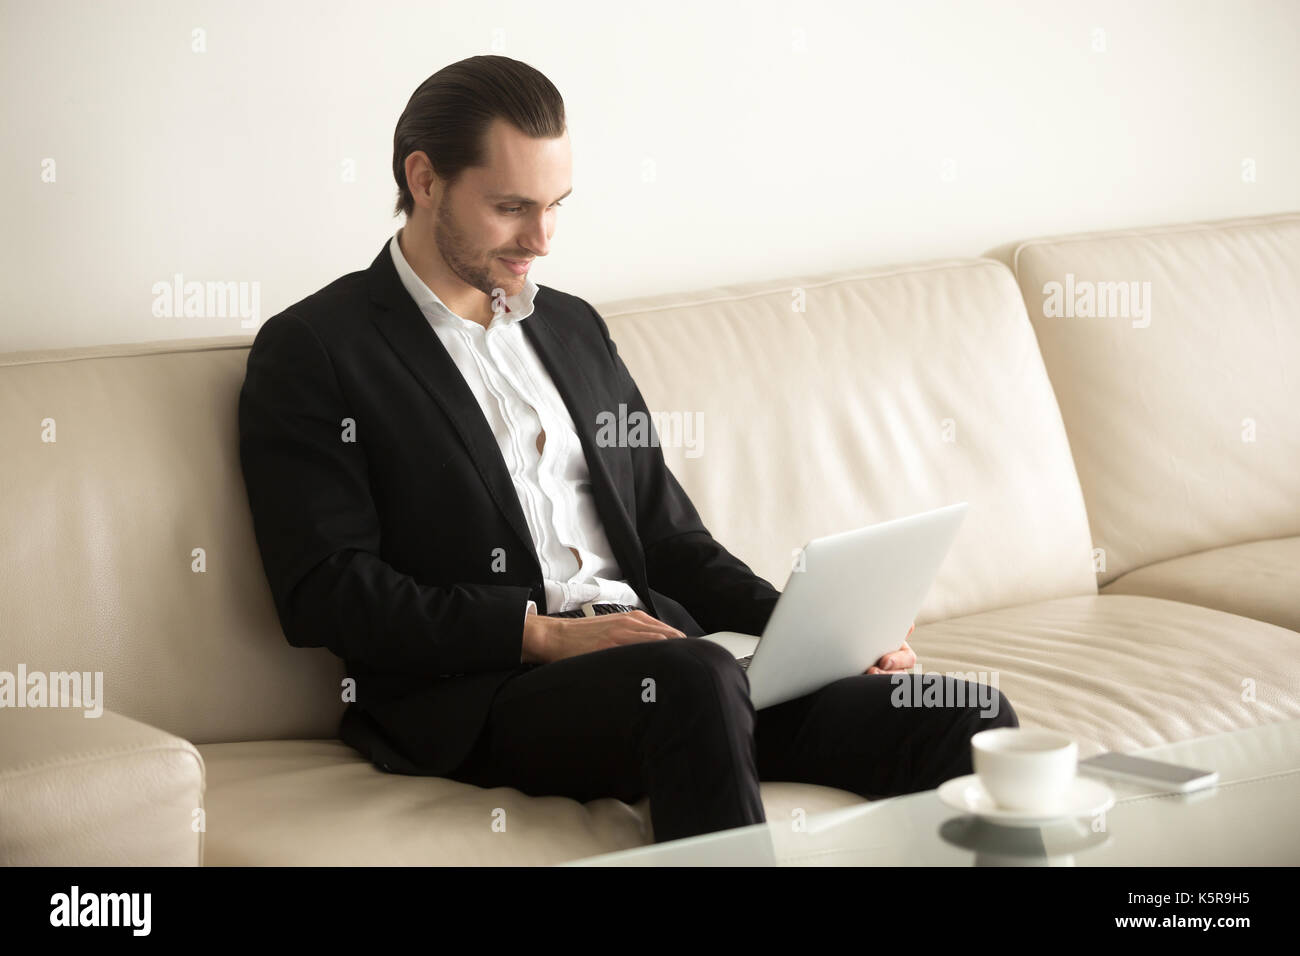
(597, 608)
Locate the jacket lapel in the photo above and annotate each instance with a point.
(572, 382)
(400, 321)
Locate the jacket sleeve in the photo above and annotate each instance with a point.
(319, 533)
(682, 559)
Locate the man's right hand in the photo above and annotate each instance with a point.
(549, 639)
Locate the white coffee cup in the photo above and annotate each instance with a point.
(1025, 768)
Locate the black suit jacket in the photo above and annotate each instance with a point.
(390, 530)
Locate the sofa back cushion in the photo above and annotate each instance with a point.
(800, 407)
(129, 549)
(1175, 355)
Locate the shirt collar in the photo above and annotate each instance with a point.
(520, 306)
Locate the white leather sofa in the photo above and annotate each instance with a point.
(1129, 570)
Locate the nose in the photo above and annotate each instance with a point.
(535, 237)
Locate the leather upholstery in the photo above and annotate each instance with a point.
(828, 402)
(100, 527)
(925, 387)
(97, 791)
(1186, 429)
(1114, 672)
(1123, 672)
(1257, 579)
(341, 811)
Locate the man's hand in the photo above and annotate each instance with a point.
(895, 662)
(549, 639)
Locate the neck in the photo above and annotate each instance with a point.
(421, 253)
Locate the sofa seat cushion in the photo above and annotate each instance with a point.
(318, 803)
(1259, 579)
(1123, 672)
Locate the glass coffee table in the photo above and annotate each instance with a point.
(1251, 817)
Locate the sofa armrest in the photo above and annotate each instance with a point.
(96, 791)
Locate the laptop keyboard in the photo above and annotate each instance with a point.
(744, 662)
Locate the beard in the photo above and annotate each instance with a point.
(459, 254)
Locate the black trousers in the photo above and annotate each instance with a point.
(673, 719)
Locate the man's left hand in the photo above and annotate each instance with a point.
(895, 662)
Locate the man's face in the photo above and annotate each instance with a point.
(504, 210)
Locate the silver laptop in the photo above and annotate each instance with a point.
(851, 603)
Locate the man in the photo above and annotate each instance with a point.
(517, 603)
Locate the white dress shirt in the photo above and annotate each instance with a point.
(520, 402)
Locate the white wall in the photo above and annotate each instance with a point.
(785, 137)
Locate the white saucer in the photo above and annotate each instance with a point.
(1084, 798)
